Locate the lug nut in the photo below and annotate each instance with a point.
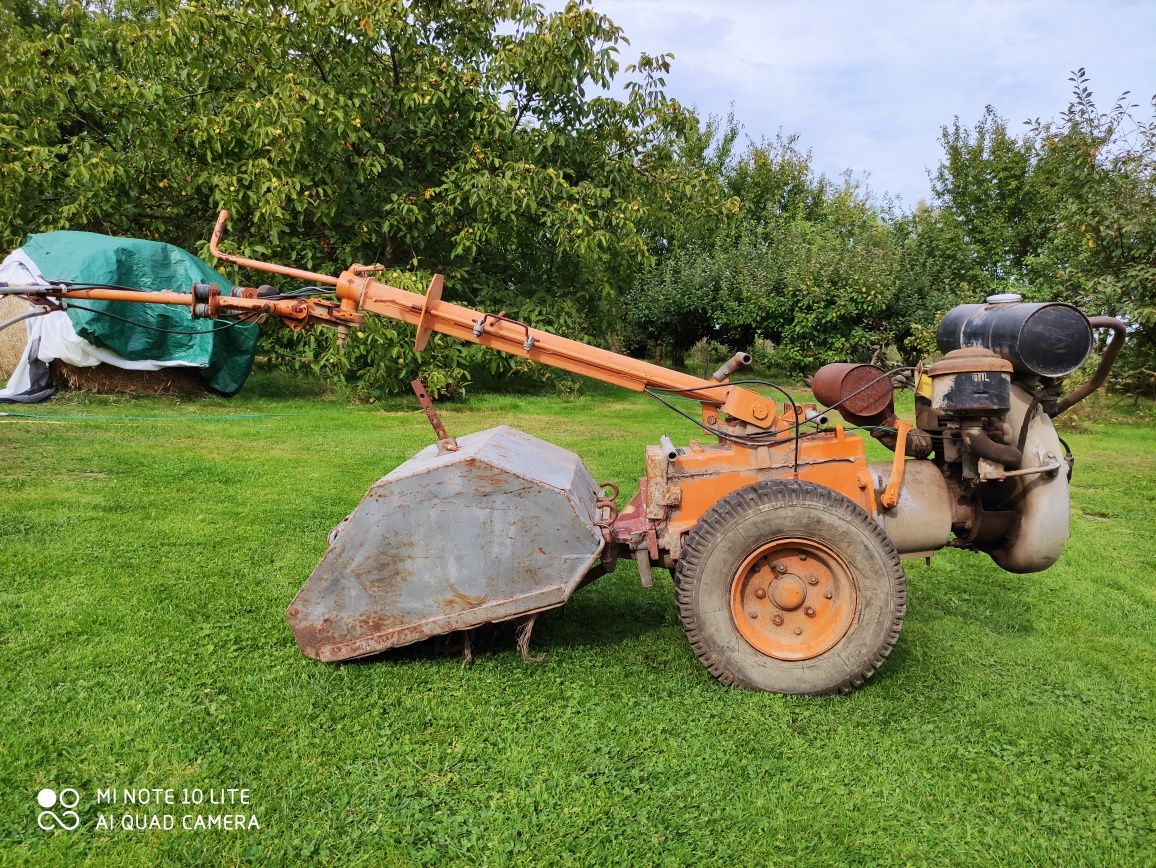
(777, 620)
(809, 611)
(760, 593)
(802, 556)
(780, 568)
(798, 631)
(812, 579)
(827, 595)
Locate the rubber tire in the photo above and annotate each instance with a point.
(746, 520)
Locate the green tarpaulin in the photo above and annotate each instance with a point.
(225, 355)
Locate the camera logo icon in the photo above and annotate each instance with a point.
(67, 800)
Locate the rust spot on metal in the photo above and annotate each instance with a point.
(460, 597)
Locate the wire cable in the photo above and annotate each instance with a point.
(742, 439)
(244, 320)
(302, 292)
(81, 284)
(883, 376)
(835, 406)
(21, 317)
(761, 438)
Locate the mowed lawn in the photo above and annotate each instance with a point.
(149, 547)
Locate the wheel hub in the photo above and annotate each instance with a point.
(788, 592)
(793, 599)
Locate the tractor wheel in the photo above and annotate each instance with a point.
(790, 587)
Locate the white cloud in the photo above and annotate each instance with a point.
(867, 85)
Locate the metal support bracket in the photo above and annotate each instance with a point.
(432, 296)
(890, 498)
(446, 443)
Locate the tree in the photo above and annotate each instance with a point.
(478, 140)
(983, 188)
(1062, 212)
(1099, 169)
(797, 262)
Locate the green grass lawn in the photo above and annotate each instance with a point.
(148, 549)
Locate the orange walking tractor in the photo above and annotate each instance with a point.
(784, 541)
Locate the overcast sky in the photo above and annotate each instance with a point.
(867, 85)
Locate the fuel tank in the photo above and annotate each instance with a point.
(1047, 339)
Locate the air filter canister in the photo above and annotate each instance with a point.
(970, 382)
(862, 393)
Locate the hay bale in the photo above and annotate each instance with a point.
(13, 338)
(107, 379)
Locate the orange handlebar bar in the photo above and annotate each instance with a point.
(284, 270)
(359, 292)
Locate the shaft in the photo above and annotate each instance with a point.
(430, 314)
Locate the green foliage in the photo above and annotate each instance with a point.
(984, 186)
(798, 262)
(818, 288)
(460, 138)
(934, 274)
(819, 272)
(1099, 168)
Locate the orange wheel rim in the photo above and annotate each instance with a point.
(793, 599)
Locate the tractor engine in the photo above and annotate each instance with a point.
(995, 473)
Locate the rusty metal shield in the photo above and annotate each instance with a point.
(503, 527)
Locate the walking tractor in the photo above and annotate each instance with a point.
(784, 541)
